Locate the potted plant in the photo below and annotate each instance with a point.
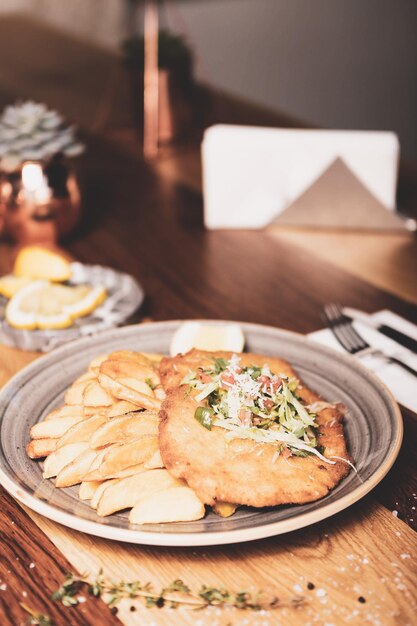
(39, 195)
(176, 87)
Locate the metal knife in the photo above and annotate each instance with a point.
(394, 334)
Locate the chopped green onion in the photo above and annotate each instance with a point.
(254, 372)
(219, 365)
(204, 415)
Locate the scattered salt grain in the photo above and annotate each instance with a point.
(320, 593)
(3, 587)
(398, 534)
(404, 556)
(395, 513)
(32, 565)
(81, 599)
(298, 588)
(24, 594)
(365, 561)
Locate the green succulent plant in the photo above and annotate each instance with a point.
(29, 131)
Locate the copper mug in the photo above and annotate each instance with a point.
(39, 203)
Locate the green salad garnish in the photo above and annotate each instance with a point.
(253, 403)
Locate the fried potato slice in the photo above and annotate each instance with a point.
(89, 411)
(39, 448)
(125, 427)
(155, 462)
(87, 490)
(129, 471)
(122, 392)
(130, 369)
(137, 385)
(175, 504)
(82, 431)
(65, 411)
(74, 472)
(155, 358)
(129, 491)
(120, 407)
(58, 459)
(94, 395)
(88, 376)
(94, 366)
(224, 509)
(97, 461)
(75, 393)
(129, 355)
(99, 491)
(54, 428)
(120, 456)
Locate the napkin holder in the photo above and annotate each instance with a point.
(253, 177)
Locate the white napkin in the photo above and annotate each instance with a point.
(401, 383)
(252, 174)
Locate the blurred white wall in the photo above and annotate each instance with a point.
(334, 63)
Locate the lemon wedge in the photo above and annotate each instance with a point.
(207, 337)
(39, 263)
(11, 284)
(47, 306)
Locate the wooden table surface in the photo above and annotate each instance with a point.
(140, 222)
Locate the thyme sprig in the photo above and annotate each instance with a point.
(174, 595)
(35, 618)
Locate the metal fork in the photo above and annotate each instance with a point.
(348, 337)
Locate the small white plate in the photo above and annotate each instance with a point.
(124, 297)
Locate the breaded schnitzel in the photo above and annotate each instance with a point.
(300, 464)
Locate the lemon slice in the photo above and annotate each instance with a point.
(11, 284)
(22, 309)
(88, 303)
(207, 337)
(40, 263)
(51, 307)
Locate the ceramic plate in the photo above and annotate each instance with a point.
(124, 297)
(373, 429)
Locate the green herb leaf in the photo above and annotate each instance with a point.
(35, 618)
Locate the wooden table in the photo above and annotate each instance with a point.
(141, 222)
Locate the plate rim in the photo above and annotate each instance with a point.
(131, 535)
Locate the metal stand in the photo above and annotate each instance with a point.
(151, 80)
